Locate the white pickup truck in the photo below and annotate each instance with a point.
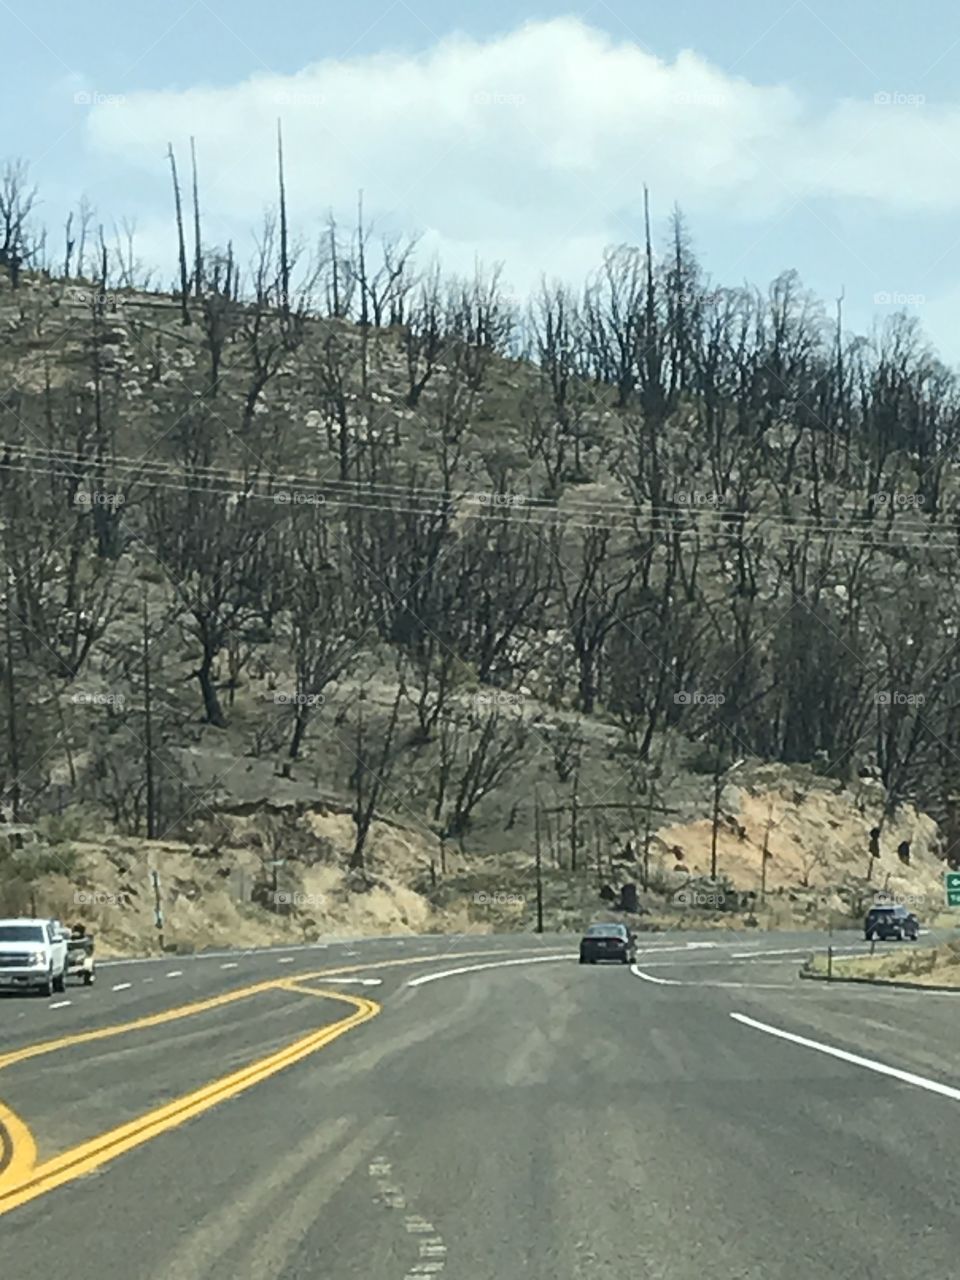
(33, 953)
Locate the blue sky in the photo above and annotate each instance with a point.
(524, 133)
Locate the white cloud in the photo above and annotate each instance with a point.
(533, 146)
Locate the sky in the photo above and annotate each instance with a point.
(814, 136)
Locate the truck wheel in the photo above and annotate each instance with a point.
(46, 987)
(88, 978)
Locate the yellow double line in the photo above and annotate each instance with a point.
(22, 1179)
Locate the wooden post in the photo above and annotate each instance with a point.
(539, 861)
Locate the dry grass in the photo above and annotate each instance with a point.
(926, 966)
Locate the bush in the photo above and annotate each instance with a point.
(60, 828)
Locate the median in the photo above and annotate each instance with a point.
(934, 968)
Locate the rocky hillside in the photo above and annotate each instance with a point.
(386, 544)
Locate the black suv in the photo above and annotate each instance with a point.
(891, 922)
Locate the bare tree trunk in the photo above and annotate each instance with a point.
(197, 243)
(367, 798)
(68, 245)
(335, 267)
(208, 688)
(181, 242)
(284, 244)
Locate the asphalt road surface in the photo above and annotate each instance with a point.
(480, 1109)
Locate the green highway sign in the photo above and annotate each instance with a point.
(951, 883)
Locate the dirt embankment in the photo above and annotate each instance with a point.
(815, 838)
(275, 874)
(241, 890)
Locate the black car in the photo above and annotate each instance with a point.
(607, 942)
(891, 922)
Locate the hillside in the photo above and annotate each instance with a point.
(420, 560)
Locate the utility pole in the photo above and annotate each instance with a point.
(12, 734)
(765, 854)
(539, 863)
(148, 728)
(574, 835)
(158, 906)
(647, 833)
(717, 790)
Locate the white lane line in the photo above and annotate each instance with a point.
(871, 1064)
(648, 977)
(286, 960)
(233, 965)
(175, 973)
(475, 968)
(59, 1004)
(676, 982)
(650, 949)
(145, 980)
(360, 982)
(121, 986)
(790, 951)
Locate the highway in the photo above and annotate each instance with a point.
(480, 1108)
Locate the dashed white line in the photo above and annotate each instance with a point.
(286, 960)
(175, 973)
(434, 1248)
(232, 965)
(417, 1225)
(871, 1064)
(60, 1004)
(121, 986)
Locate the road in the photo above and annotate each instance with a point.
(480, 1108)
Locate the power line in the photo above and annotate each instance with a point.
(723, 526)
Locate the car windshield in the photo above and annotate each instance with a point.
(606, 931)
(21, 933)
